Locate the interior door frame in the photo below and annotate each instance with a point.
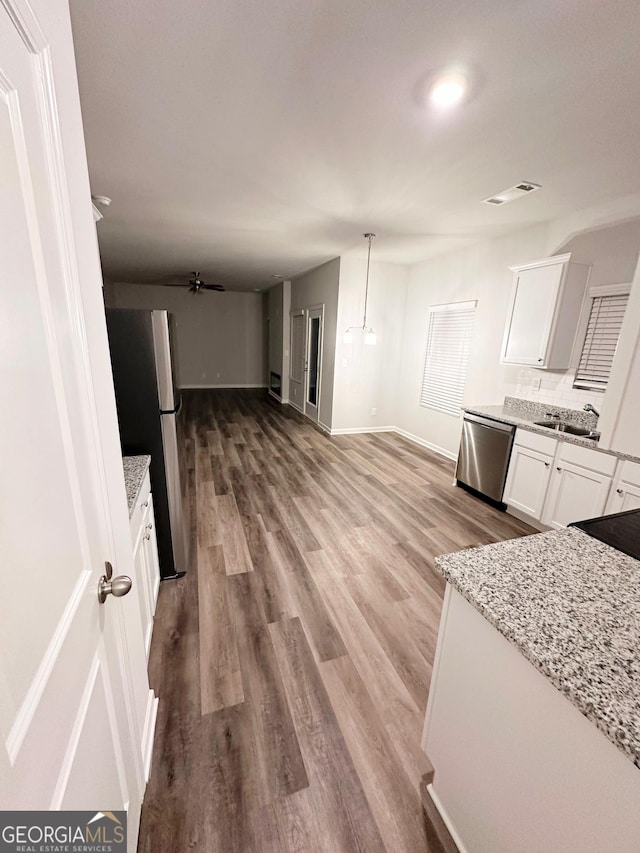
(294, 381)
(85, 376)
(311, 410)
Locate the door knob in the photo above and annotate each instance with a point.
(117, 586)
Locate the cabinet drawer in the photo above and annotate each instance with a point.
(141, 505)
(629, 472)
(534, 441)
(594, 460)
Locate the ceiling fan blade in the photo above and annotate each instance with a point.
(218, 287)
(173, 284)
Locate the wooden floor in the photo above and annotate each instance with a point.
(293, 661)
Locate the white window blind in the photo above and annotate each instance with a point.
(447, 358)
(600, 342)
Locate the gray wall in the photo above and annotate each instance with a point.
(278, 306)
(366, 377)
(276, 337)
(221, 337)
(612, 251)
(319, 286)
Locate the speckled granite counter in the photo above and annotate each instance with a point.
(522, 418)
(135, 468)
(571, 605)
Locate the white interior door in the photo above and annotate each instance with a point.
(313, 362)
(71, 683)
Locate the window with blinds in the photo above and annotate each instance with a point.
(447, 358)
(600, 342)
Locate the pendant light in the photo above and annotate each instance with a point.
(370, 338)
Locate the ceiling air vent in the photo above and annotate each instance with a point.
(512, 193)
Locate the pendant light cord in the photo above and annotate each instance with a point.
(366, 291)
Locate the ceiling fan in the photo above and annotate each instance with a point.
(195, 284)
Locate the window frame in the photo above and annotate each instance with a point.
(592, 293)
(443, 308)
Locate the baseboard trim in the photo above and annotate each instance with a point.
(356, 430)
(439, 821)
(282, 400)
(149, 731)
(204, 387)
(528, 519)
(295, 406)
(424, 443)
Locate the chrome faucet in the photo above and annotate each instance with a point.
(588, 407)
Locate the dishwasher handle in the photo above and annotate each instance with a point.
(489, 422)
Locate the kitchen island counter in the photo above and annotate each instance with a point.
(533, 720)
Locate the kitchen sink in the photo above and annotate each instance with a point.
(570, 429)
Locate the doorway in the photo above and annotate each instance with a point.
(305, 375)
(313, 362)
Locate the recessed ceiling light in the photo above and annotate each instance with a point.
(512, 193)
(448, 89)
(258, 289)
(277, 275)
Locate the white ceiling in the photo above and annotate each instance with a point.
(245, 138)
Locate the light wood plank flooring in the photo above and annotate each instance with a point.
(293, 661)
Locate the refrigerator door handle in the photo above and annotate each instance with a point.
(175, 411)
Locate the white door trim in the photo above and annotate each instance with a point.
(312, 410)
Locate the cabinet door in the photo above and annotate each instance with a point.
(575, 494)
(623, 497)
(527, 481)
(142, 573)
(531, 313)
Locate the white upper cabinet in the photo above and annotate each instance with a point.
(544, 311)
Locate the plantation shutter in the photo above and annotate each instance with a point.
(601, 340)
(447, 357)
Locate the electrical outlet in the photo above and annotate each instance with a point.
(374, 411)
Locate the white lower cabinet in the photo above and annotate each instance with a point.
(145, 556)
(625, 494)
(529, 472)
(575, 494)
(528, 480)
(558, 482)
(580, 485)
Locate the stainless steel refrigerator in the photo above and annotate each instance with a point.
(151, 421)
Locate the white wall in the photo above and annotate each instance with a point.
(366, 377)
(612, 251)
(478, 272)
(221, 338)
(274, 317)
(319, 286)
(482, 272)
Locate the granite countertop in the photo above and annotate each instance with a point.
(523, 418)
(135, 468)
(571, 605)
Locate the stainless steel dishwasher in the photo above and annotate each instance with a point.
(485, 450)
